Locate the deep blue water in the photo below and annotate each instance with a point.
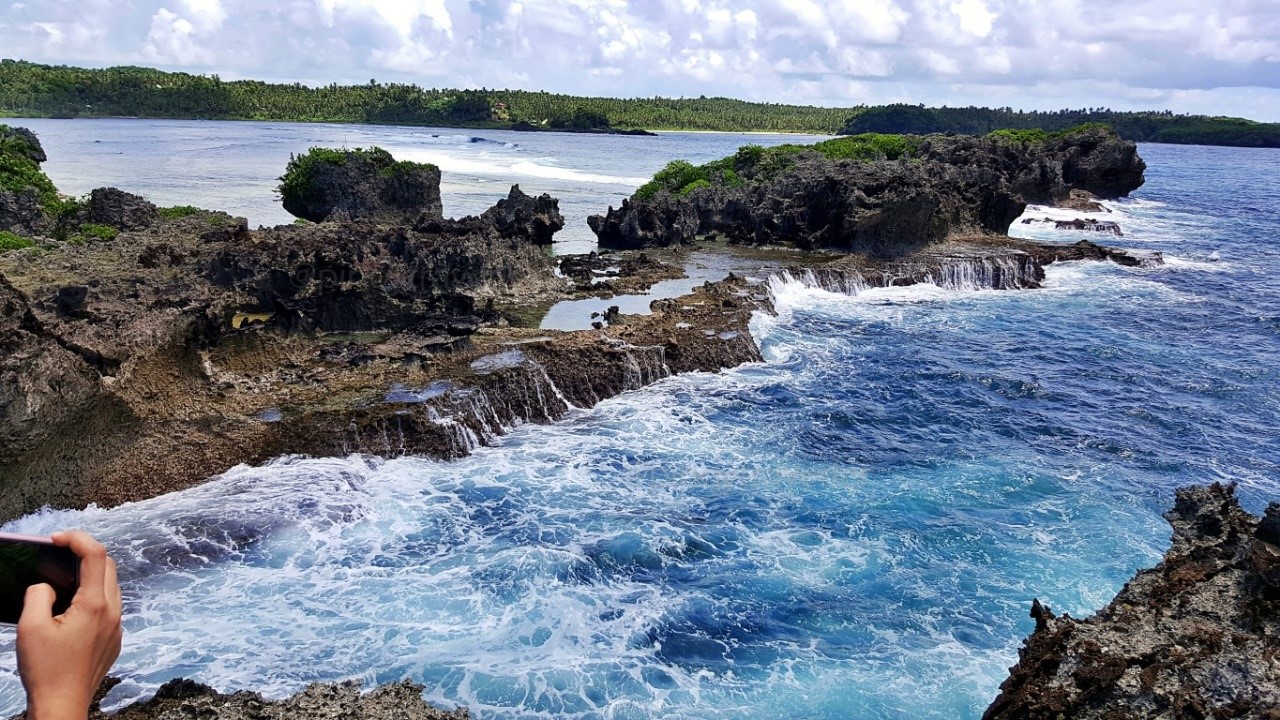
(853, 529)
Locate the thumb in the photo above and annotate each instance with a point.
(37, 605)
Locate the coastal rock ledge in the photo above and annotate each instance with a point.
(1198, 636)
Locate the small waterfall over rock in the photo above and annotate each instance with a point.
(1010, 271)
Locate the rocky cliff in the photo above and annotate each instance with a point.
(1198, 636)
(873, 195)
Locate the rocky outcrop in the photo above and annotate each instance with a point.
(344, 185)
(119, 209)
(943, 187)
(1194, 637)
(183, 700)
(22, 213)
(356, 277)
(520, 215)
(661, 222)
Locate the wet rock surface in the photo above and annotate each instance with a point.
(1079, 224)
(1198, 636)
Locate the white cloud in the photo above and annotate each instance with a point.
(173, 40)
(1140, 52)
(975, 18)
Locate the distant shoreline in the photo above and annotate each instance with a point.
(46, 91)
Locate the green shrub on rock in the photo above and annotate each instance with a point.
(179, 211)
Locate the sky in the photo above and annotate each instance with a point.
(1217, 57)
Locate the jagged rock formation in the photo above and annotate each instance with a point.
(119, 209)
(183, 700)
(659, 222)
(1198, 636)
(942, 187)
(343, 185)
(523, 216)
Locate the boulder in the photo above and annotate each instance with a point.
(338, 185)
(119, 209)
(519, 215)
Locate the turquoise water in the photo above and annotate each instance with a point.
(853, 529)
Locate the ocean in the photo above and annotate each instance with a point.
(854, 528)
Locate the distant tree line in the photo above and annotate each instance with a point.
(34, 90)
(1160, 127)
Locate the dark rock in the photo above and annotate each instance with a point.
(368, 185)
(22, 213)
(950, 186)
(661, 222)
(346, 277)
(1193, 637)
(119, 209)
(1084, 224)
(234, 230)
(1269, 528)
(519, 215)
(70, 300)
(524, 126)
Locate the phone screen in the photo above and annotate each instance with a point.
(24, 563)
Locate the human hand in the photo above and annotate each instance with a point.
(63, 659)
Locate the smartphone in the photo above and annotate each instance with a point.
(27, 561)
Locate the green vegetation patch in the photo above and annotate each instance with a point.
(17, 173)
(758, 163)
(9, 241)
(12, 143)
(179, 211)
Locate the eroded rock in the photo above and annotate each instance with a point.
(119, 209)
(519, 215)
(1196, 636)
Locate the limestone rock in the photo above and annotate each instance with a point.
(361, 185)
(119, 209)
(519, 215)
(1196, 636)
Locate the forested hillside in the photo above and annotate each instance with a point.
(1161, 127)
(33, 90)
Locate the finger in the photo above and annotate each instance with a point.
(111, 587)
(93, 565)
(37, 605)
